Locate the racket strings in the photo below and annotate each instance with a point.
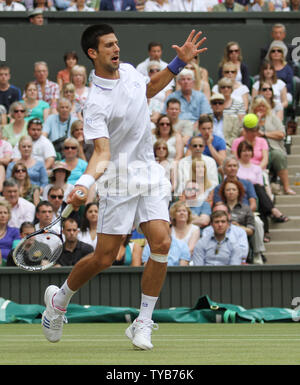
(40, 249)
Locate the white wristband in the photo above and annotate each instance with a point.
(85, 180)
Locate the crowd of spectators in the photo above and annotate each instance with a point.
(221, 146)
(36, 7)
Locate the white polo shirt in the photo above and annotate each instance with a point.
(42, 149)
(117, 109)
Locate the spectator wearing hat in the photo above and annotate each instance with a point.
(225, 126)
(193, 103)
(42, 148)
(58, 177)
(36, 17)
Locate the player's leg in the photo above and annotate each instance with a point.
(57, 299)
(158, 236)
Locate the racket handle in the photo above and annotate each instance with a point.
(67, 211)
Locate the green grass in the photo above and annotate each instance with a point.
(174, 344)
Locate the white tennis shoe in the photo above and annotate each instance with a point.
(53, 318)
(139, 332)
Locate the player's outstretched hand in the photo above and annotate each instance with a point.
(191, 47)
(77, 197)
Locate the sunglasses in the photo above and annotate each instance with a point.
(153, 71)
(267, 89)
(190, 189)
(276, 50)
(234, 50)
(36, 121)
(216, 103)
(16, 111)
(222, 87)
(70, 148)
(56, 196)
(230, 72)
(20, 170)
(198, 145)
(161, 148)
(164, 124)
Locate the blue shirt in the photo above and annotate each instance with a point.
(218, 143)
(178, 250)
(236, 235)
(249, 192)
(37, 173)
(203, 208)
(77, 171)
(209, 252)
(194, 108)
(57, 129)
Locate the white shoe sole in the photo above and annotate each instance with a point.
(138, 345)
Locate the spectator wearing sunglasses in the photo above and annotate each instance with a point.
(36, 169)
(277, 54)
(240, 91)
(55, 197)
(225, 126)
(266, 90)
(5, 157)
(232, 106)
(233, 53)
(27, 190)
(185, 167)
(74, 164)
(13, 131)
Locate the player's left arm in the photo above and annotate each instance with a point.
(185, 54)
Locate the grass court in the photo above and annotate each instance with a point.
(174, 344)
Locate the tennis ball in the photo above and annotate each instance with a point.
(250, 121)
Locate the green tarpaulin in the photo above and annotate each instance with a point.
(205, 311)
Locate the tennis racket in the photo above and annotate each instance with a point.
(41, 249)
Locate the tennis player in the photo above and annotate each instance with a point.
(132, 188)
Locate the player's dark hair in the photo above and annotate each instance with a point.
(90, 37)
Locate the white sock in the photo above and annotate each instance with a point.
(63, 296)
(147, 307)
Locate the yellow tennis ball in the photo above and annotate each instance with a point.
(250, 121)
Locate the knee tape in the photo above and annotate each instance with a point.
(159, 258)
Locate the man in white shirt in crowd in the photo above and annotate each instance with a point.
(10, 5)
(42, 148)
(155, 50)
(21, 209)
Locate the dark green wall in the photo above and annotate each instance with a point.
(249, 286)
(26, 43)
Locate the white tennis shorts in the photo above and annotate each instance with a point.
(119, 214)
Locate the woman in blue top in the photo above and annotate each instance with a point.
(35, 108)
(7, 234)
(76, 165)
(36, 169)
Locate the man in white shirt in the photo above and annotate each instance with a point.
(184, 171)
(10, 5)
(155, 50)
(21, 209)
(42, 148)
(116, 119)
